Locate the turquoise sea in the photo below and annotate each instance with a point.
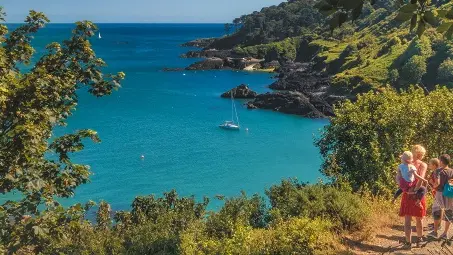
(172, 119)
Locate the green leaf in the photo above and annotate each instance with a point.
(449, 33)
(38, 231)
(402, 16)
(409, 8)
(449, 14)
(325, 8)
(342, 18)
(350, 4)
(441, 13)
(413, 22)
(430, 17)
(334, 21)
(421, 28)
(442, 28)
(357, 11)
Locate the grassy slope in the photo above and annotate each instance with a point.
(361, 56)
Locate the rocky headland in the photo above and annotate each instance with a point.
(199, 43)
(292, 102)
(228, 63)
(301, 88)
(241, 91)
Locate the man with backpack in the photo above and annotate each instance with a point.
(444, 185)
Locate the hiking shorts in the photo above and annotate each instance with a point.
(437, 215)
(448, 215)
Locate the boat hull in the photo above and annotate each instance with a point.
(229, 127)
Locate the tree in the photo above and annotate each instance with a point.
(414, 69)
(445, 71)
(227, 28)
(33, 103)
(236, 23)
(362, 143)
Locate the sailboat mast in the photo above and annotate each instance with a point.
(232, 107)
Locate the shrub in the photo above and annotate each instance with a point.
(414, 70)
(363, 141)
(394, 76)
(240, 211)
(292, 199)
(294, 236)
(445, 71)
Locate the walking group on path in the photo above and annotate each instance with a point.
(414, 186)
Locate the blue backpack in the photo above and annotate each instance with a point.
(448, 189)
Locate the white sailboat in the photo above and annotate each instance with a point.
(230, 124)
(99, 35)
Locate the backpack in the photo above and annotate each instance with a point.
(448, 189)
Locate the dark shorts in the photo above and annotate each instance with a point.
(448, 215)
(437, 214)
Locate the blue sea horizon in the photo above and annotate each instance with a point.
(172, 118)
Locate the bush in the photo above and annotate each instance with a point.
(414, 70)
(294, 236)
(394, 76)
(363, 141)
(292, 199)
(236, 212)
(445, 71)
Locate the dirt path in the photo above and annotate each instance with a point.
(388, 241)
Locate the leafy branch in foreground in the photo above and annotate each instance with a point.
(420, 13)
(33, 103)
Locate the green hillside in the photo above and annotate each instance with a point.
(371, 52)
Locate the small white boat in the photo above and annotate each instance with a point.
(229, 124)
(99, 35)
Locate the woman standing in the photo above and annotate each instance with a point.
(409, 207)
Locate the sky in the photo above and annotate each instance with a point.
(142, 11)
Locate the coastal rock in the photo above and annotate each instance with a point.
(301, 77)
(292, 103)
(241, 91)
(273, 64)
(172, 69)
(210, 53)
(226, 63)
(208, 64)
(199, 43)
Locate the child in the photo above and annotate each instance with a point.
(434, 167)
(408, 176)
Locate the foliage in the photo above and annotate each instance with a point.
(302, 219)
(32, 104)
(419, 13)
(362, 143)
(227, 28)
(446, 70)
(414, 70)
(274, 23)
(291, 199)
(286, 49)
(295, 236)
(393, 77)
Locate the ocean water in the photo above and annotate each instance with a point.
(172, 119)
